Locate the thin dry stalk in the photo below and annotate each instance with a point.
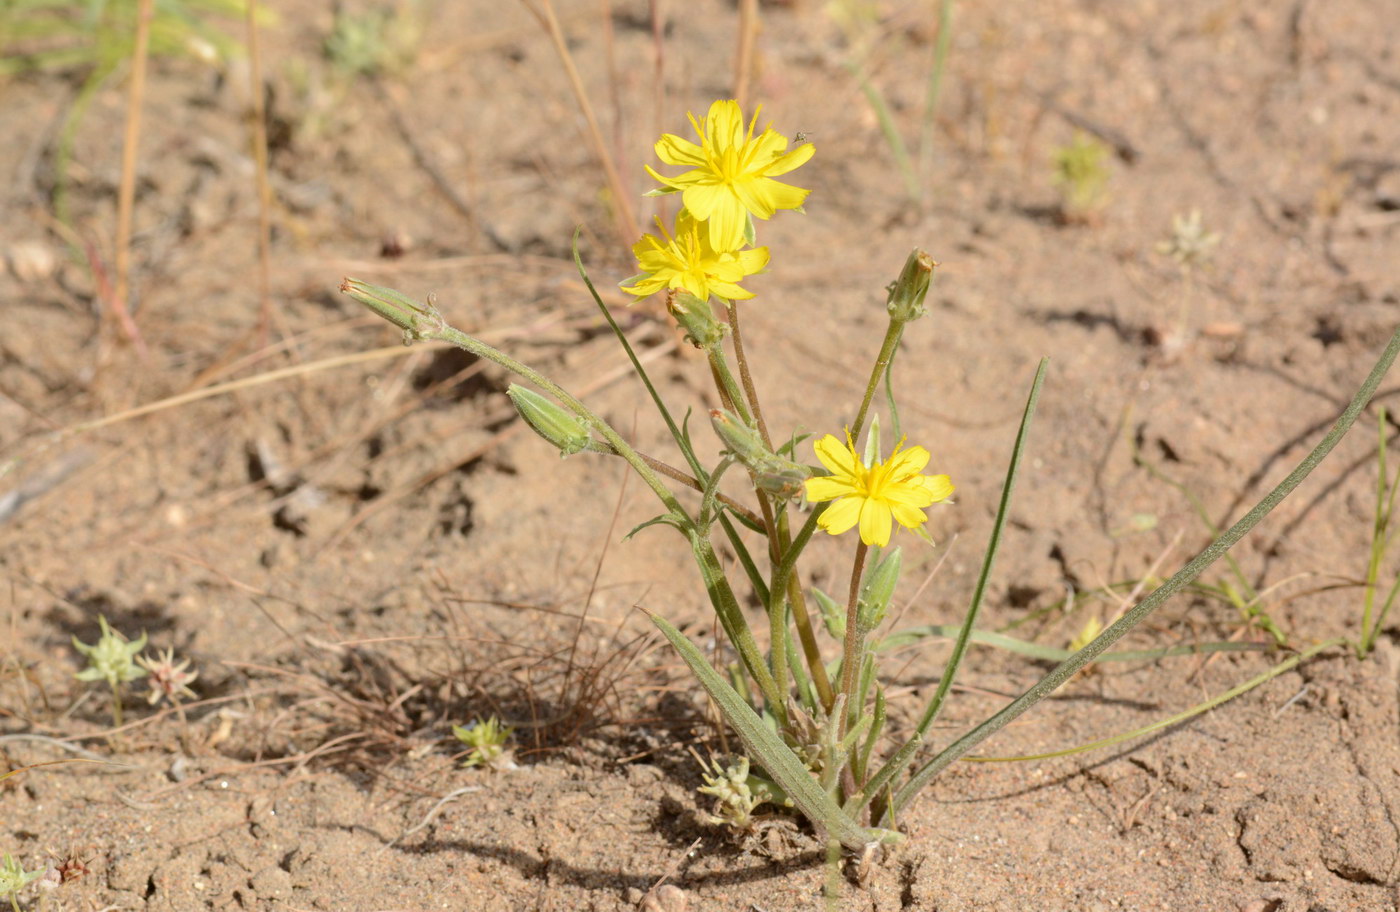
(258, 116)
(621, 199)
(744, 56)
(126, 191)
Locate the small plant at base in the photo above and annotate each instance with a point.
(111, 659)
(1081, 173)
(737, 793)
(169, 680)
(1189, 243)
(487, 741)
(13, 879)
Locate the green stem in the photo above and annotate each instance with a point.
(1065, 670)
(799, 606)
(892, 335)
(850, 650)
(454, 336)
(745, 378)
(116, 705)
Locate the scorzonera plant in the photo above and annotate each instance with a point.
(814, 730)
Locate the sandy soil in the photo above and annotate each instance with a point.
(359, 554)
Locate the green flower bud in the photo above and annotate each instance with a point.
(771, 472)
(878, 590)
(697, 319)
(564, 429)
(907, 293)
(413, 317)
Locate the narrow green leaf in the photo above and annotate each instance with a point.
(778, 760)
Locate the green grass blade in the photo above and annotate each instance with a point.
(1180, 717)
(1054, 654)
(1180, 579)
(680, 438)
(950, 671)
(778, 760)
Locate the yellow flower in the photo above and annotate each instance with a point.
(731, 172)
(688, 261)
(872, 496)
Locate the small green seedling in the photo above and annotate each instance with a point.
(1081, 174)
(1189, 243)
(112, 659)
(487, 741)
(737, 792)
(13, 879)
(374, 42)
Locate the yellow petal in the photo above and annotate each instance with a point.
(908, 517)
(673, 150)
(753, 261)
(751, 195)
(724, 124)
(940, 487)
(766, 150)
(688, 179)
(779, 194)
(702, 199)
(726, 216)
(908, 462)
(837, 457)
(794, 159)
(911, 493)
(828, 487)
(644, 287)
(841, 516)
(874, 523)
(728, 290)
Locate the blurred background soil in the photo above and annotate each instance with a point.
(364, 548)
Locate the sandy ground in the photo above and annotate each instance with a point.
(358, 554)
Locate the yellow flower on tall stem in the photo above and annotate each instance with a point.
(731, 172)
(688, 261)
(874, 496)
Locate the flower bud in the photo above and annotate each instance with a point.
(398, 308)
(696, 318)
(771, 472)
(562, 428)
(906, 301)
(878, 590)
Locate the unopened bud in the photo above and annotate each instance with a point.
(878, 590)
(413, 317)
(771, 472)
(697, 319)
(563, 429)
(907, 293)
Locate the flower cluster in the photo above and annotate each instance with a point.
(729, 182)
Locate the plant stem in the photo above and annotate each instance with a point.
(750, 393)
(1066, 669)
(454, 336)
(116, 705)
(892, 335)
(850, 658)
(689, 481)
(786, 572)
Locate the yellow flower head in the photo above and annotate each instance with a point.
(731, 172)
(688, 261)
(872, 496)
